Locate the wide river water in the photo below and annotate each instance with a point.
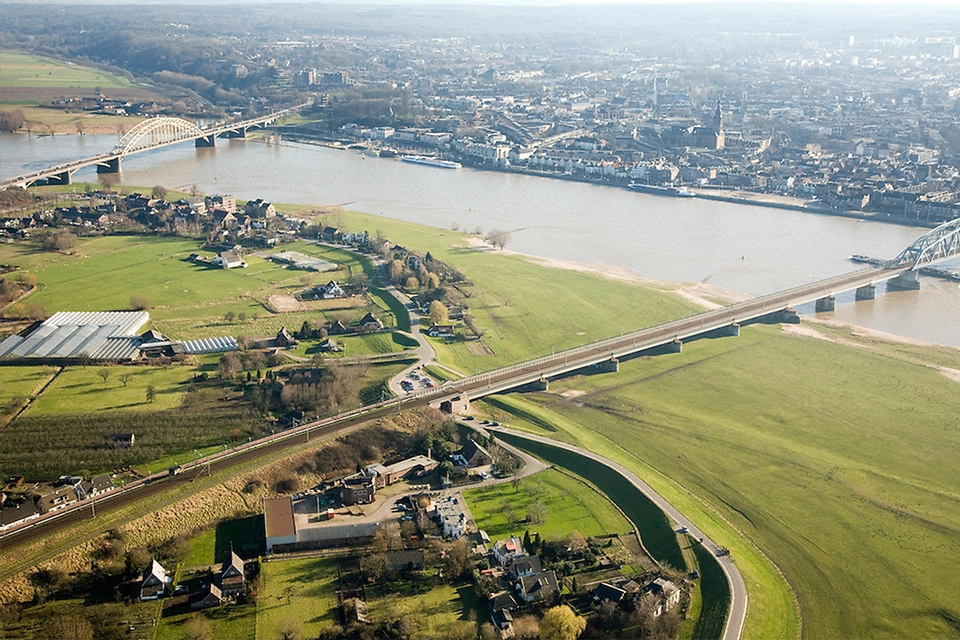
(750, 250)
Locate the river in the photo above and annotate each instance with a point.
(747, 249)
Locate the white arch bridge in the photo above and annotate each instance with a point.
(152, 133)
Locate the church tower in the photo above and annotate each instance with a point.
(718, 126)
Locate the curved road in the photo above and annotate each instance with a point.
(738, 590)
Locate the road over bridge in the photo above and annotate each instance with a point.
(152, 133)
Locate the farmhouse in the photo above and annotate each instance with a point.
(473, 455)
(212, 598)
(370, 322)
(441, 331)
(331, 290)
(232, 580)
(538, 587)
(230, 260)
(154, 581)
(405, 560)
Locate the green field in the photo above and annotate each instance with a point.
(23, 70)
(229, 621)
(82, 390)
(304, 590)
(835, 461)
(572, 505)
(22, 382)
(445, 611)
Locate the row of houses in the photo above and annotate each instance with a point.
(67, 490)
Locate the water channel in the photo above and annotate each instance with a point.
(749, 250)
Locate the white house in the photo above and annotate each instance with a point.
(229, 260)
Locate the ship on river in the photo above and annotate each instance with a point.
(432, 162)
(676, 192)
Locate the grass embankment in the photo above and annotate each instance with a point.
(835, 461)
(714, 595)
(572, 505)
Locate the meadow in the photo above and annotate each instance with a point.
(299, 589)
(835, 461)
(23, 70)
(445, 611)
(572, 505)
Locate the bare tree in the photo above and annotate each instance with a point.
(104, 374)
(125, 378)
(498, 238)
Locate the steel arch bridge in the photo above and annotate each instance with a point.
(941, 243)
(156, 132)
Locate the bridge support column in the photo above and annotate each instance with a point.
(906, 281)
(540, 385)
(826, 304)
(609, 366)
(784, 316)
(207, 141)
(867, 292)
(109, 166)
(731, 331)
(60, 178)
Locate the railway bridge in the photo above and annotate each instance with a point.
(152, 133)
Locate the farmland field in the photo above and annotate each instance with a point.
(816, 452)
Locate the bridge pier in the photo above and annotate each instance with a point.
(867, 292)
(906, 281)
(236, 133)
(458, 404)
(826, 304)
(207, 141)
(784, 316)
(609, 366)
(730, 331)
(109, 166)
(60, 178)
(540, 385)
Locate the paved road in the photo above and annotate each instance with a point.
(738, 590)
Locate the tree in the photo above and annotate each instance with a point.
(125, 378)
(229, 365)
(498, 238)
(411, 284)
(159, 192)
(439, 313)
(198, 627)
(561, 623)
(59, 240)
(537, 512)
(151, 394)
(139, 302)
(11, 121)
(104, 374)
(290, 628)
(66, 627)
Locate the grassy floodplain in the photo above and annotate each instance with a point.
(24, 70)
(836, 461)
(526, 309)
